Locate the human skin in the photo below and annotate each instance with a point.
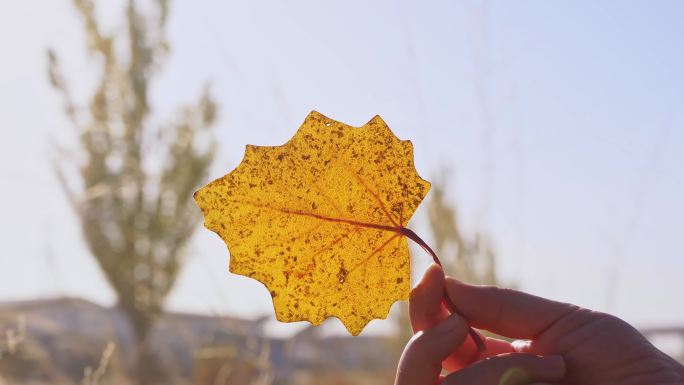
(557, 343)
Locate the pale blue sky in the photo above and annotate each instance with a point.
(561, 122)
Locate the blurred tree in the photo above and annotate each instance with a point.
(132, 181)
(471, 260)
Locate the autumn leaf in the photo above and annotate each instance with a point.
(320, 220)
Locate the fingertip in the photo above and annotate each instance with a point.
(425, 302)
(461, 293)
(426, 276)
(454, 287)
(431, 282)
(434, 272)
(434, 266)
(457, 284)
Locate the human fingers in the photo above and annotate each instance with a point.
(426, 310)
(468, 353)
(547, 383)
(510, 369)
(425, 303)
(506, 312)
(421, 361)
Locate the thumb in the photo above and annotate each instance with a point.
(421, 362)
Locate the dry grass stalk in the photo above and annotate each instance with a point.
(94, 377)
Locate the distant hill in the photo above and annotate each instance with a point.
(64, 336)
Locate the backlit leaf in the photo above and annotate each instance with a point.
(319, 220)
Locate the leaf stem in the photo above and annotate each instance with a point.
(477, 338)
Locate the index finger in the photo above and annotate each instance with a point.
(504, 311)
(426, 310)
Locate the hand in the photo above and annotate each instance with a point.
(560, 343)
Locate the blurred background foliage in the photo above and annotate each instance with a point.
(129, 175)
(134, 182)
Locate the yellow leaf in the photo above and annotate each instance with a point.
(320, 220)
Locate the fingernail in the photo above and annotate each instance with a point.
(450, 324)
(555, 363)
(433, 267)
